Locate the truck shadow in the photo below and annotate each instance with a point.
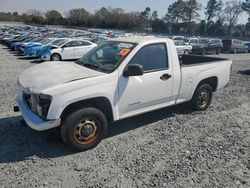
(26, 58)
(18, 142)
(244, 72)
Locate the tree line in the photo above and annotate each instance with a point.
(182, 17)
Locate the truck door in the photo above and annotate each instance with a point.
(152, 89)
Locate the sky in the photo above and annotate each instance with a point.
(92, 5)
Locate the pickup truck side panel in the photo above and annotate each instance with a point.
(192, 75)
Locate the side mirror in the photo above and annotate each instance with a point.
(133, 70)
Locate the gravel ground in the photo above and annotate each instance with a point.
(172, 147)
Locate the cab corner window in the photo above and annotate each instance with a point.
(152, 57)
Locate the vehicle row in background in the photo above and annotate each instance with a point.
(66, 44)
(204, 46)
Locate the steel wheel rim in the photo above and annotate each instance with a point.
(203, 98)
(56, 58)
(86, 131)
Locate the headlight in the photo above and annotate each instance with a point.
(43, 104)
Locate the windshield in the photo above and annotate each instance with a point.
(107, 56)
(179, 43)
(204, 41)
(45, 41)
(27, 39)
(59, 42)
(36, 40)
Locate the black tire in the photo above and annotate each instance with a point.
(203, 52)
(202, 97)
(90, 120)
(218, 51)
(56, 57)
(234, 51)
(186, 52)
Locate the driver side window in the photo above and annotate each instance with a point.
(152, 57)
(70, 44)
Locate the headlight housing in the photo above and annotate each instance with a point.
(43, 104)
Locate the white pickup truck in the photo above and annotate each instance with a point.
(117, 79)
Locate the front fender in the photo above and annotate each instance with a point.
(60, 102)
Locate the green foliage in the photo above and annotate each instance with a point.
(232, 11)
(146, 13)
(175, 12)
(246, 6)
(182, 17)
(53, 17)
(78, 17)
(213, 9)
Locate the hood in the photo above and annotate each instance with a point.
(49, 74)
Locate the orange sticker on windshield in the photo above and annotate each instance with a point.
(124, 52)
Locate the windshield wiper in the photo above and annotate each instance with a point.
(89, 65)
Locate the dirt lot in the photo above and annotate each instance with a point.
(172, 147)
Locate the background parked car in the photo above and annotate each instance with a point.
(191, 41)
(248, 45)
(72, 49)
(182, 48)
(207, 45)
(177, 37)
(234, 46)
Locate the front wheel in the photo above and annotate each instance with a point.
(202, 97)
(55, 57)
(84, 129)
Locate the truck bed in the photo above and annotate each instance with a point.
(197, 59)
(196, 68)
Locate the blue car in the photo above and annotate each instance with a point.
(17, 45)
(45, 51)
(32, 48)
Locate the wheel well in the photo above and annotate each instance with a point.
(55, 53)
(212, 81)
(101, 103)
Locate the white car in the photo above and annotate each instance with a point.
(120, 78)
(182, 48)
(191, 41)
(177, 37)
(69, 50)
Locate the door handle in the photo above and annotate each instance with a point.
(165, 77)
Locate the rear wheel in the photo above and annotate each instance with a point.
(84, 129)
(55, 57)
(218, 51)
(203, 52)
(202, 97)
(186, 52)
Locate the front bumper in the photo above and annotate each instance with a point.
(45, 57)
(33, 120)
